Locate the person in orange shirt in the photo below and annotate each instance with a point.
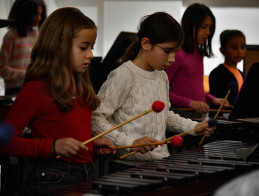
(233, 47)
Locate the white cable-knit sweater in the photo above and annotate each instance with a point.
(128, 92)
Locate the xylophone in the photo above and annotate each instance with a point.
(196, 171)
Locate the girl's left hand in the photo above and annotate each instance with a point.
(103, 146)
(207, 131)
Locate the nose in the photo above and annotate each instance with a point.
(39, 18)
(241, 50)
(171, 57)
(89, 54)
(207, 31)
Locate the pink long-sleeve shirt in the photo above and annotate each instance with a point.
(186, 79)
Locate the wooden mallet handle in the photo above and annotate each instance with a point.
(232, 86)
(157, 106)
(210, 110)
(167, 140)
(216, 115)
(117, 126)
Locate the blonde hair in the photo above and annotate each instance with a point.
(50, 59)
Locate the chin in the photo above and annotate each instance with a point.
(160, 69)
(81, 71)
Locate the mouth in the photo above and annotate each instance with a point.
(240, 58)
(166, 66)
(86, 65)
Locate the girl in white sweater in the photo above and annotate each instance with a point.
(133, 87)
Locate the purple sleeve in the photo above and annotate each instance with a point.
(209, 98)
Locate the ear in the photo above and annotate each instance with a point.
(222, 51)
(145, 44)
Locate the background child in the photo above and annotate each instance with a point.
(186, 73)
(56, 101)
(133, 87)
(28, 15)
(233, 47)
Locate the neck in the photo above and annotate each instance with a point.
(234, 65)
(140, 62)
(29, 29)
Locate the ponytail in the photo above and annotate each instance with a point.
(132, 51)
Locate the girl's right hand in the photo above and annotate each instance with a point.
(144, 140)
(199, 107)
(67, 147)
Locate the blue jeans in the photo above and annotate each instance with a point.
(50, 175)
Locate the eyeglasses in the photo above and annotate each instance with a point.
(168, 50)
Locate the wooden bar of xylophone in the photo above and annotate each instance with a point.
(196, 171)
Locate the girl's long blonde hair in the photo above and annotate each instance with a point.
(50, 59)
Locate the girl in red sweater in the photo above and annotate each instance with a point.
(56, 102)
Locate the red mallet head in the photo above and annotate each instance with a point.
(177, 141)
(158, 106)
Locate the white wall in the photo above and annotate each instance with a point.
(114, 16)
(126, 15)
(92, 8)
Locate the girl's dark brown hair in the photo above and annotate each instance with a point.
(192, 18)
(158, 27)
(51, 55)
(22, 13)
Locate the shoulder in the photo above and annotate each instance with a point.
(254, 67)
(33, 33)
(180, 54)
(188, 58)
(163, 75)
(34, 83)
(120, 78)
(11, 34)
(35, 87)
(219, 68)
(33, 92)
(127, 67)
(124, 72)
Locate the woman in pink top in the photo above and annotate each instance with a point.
(186, 73)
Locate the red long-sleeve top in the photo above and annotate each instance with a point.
(35, 107)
